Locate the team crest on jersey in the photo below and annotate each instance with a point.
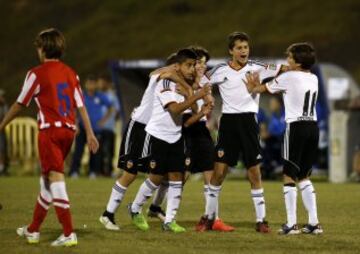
(152, 164)
(221, 153)
(129, 164)
(187, 161)
(272, 67)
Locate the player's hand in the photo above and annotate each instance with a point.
(205, 90)
(284, 68)
(206, 109)
(92, 143)
(165, 72)
(209, 99)
(252, 80)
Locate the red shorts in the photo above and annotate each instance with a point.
(54, 146)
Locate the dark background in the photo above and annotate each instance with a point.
(98, 31)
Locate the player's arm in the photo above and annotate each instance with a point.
(178, 108)
(277, 85)
(29, 89)
(169, 72)
(92, 142)
(253, 83)
(11, 114)
(187, 93)
(205, 110)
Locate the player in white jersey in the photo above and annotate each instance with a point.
(199, 150)
(299, 88)
(164, 145)
(132, 145)
(238, 131)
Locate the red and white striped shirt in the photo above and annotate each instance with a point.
(56, 90)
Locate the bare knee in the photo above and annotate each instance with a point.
(126, 179)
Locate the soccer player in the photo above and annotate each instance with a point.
(56, 91)
(133, 142)
(165, 145)
(299, 88)
(199, 150)
(238, 130)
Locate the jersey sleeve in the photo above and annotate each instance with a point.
(30, 88)
(165, 92)
(278, 85)
(78, 95)
(269, 71)
(215, 76)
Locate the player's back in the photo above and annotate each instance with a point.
(300, 95)
(56, 91)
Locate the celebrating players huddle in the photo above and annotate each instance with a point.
(172, 115)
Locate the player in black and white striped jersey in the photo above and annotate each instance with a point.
(165, 144)
(133, 142)
(238, 131)
(300, 89)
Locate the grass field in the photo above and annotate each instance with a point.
(339, 212)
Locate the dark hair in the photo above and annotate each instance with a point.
(183, 54)
(200, 52)
(303, 54)
(52, 42)
(171, 59)
(237, 36)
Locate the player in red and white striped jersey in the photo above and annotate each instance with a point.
(56, 91)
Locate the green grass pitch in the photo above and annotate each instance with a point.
(338, 207)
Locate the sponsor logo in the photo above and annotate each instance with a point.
(272, 67)
(305, 118)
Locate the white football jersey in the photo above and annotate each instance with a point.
(143, 112)
(162, 124)
(300, 90)
(234, 94)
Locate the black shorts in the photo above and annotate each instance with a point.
(162, 157)
(300, 148)
(131, 148)
(199, 147)
(238, 134)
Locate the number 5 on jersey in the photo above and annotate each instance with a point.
(64, 99)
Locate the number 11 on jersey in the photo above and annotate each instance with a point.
(308, 103)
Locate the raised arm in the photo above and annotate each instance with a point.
(169, 72)
(178, 108)
(205, 110)
(253, 83)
